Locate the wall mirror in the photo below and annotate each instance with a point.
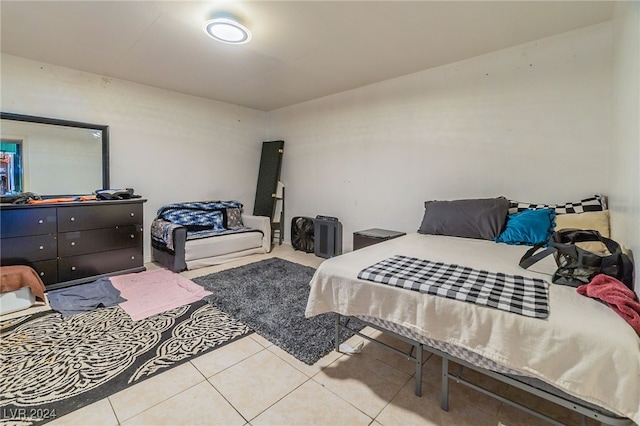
(52, 157)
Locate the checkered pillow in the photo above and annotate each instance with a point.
(592, 204)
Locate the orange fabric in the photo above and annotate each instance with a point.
(15, 277)
(64, 200)
(52, 200)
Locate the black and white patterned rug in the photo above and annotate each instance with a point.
(50, 366)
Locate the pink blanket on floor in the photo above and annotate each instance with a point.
(152, 292)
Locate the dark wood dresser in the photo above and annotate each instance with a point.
(74, 242)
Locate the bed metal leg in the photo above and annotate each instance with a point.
(444, 391)
(419, 353)
(337, 332)
(586, 412)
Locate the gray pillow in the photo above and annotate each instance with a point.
(234, 218)
(475, 218)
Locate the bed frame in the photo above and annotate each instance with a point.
(583, 408)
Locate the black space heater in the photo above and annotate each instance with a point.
(327, 236)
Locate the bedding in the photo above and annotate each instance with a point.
(582, 348)
(481, 218)
(617, 296)
(598, 221)
(513, 293)
(198, 215)
(529, 227)
(595, 203)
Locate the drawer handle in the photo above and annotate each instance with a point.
(41, 221)
(41, 247)
(73, 219)
(73, 243)
(132, 214)
(73, 268)
(132, 236)
(42, 274)
(133, 258)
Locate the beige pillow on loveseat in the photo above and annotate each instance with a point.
(598, 221)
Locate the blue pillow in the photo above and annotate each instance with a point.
(529, 227)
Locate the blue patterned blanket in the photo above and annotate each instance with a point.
(202, 219)
(199, 215)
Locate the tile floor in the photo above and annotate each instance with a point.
(252, 382)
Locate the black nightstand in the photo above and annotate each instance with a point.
(373, 236)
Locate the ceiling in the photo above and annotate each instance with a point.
(301, 50)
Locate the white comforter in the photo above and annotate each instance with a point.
(583, 347)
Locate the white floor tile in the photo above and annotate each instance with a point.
(256, 383)
(198, 405)
(144, 395)
(365, 382)
(99, 413)
(311, 404)
(220, 359)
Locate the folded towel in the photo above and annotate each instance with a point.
(617, 296)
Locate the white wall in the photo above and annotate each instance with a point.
(624, 164)
(167, 146)
(530, 122)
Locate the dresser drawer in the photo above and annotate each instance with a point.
(27, 221)
(97, 240)
(19, 250)
(47, 270)
(79, 218)
(76, 267)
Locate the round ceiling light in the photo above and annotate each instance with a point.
(227, 30)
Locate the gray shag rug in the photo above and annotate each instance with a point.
(270, 296)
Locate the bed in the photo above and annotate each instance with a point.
(582, 355)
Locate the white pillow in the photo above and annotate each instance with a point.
(598, 221)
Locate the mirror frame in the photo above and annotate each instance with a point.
(67, 123)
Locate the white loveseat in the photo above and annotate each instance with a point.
(181, 251)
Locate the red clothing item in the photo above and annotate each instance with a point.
(617, 296)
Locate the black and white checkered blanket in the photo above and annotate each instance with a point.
(512, 293)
